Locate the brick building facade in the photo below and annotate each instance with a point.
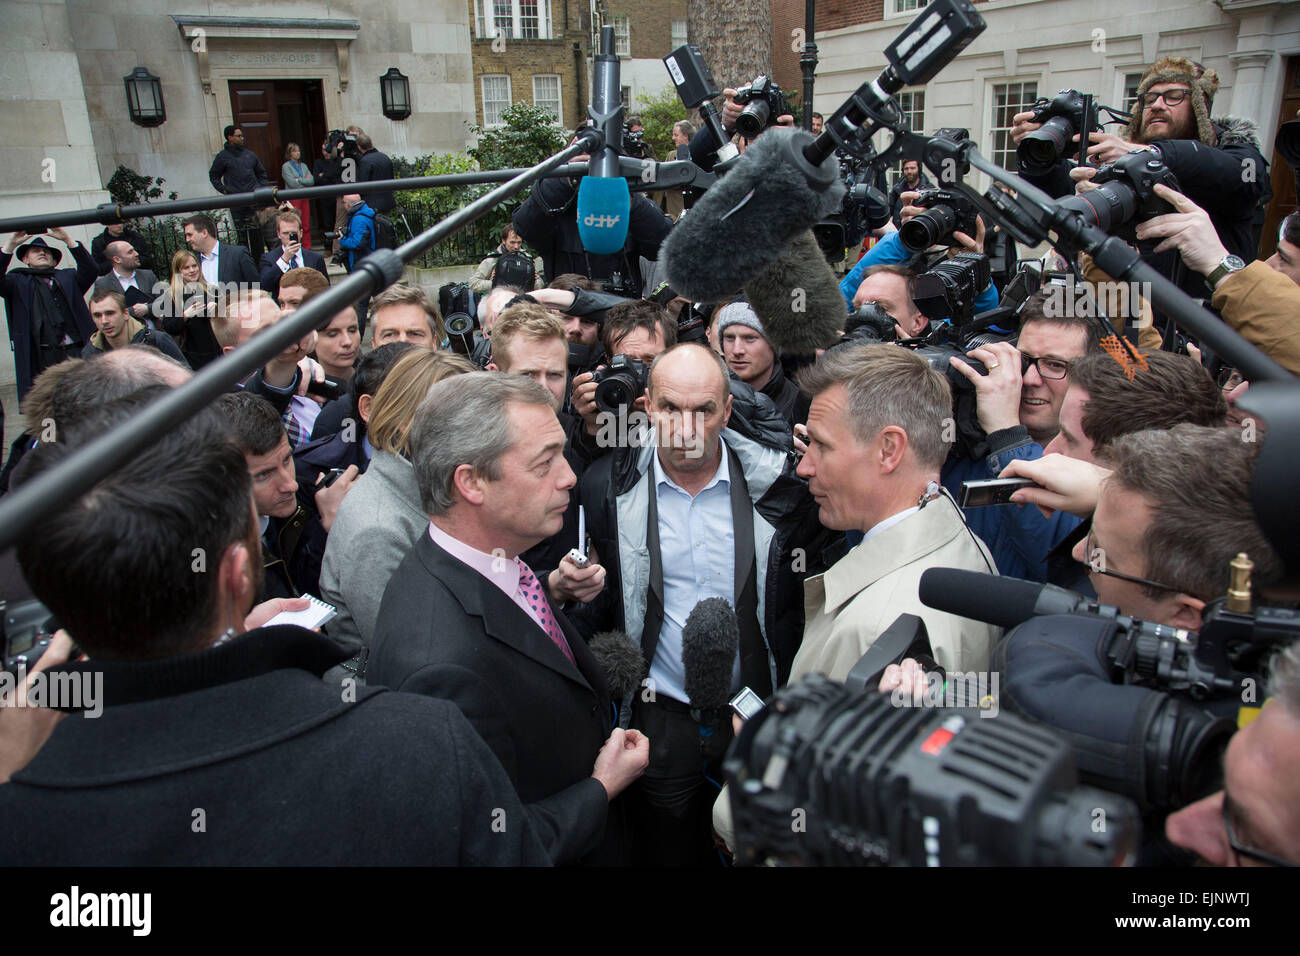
(534, 53)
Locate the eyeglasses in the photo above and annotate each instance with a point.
(1048, 368)
(1099, 567)
(1230, 378)
(1239, 850)
(1171, 97)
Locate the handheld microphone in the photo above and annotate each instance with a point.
(710, 640)
(798, 299)
(620, 661)
(604, 200)
(1005, 602)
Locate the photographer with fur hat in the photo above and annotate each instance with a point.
(1217, 161)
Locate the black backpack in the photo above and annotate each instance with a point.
(385, 233)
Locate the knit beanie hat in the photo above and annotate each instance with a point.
(1178, 69)
(741, 313)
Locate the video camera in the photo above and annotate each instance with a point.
(1069, 114)
(346, 142)
(878, 784)
(1125, 195)
(764, 103)
(864, 208)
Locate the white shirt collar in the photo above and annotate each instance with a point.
(890, 522)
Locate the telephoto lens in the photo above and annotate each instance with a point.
(1042, 149)
(928, 228)
(753, 119)
(460, 332)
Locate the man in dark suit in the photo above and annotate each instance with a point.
(139, 286)
(205, 716)
(220, 263)
(371, 167)
(463, 618)
(289, 254)
(45, 306)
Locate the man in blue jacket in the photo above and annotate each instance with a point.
(359, 239)
(1018, 402)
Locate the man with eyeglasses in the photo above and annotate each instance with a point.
(1018, 403)
(1103, 404)
(1255, 819)
(1217, 161)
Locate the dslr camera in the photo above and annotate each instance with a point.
(620, 383)
(870, 325)
(634, 144)
(946, 211)
(764, 103)
(1125, 196)
(620, 284)
(1069, 114)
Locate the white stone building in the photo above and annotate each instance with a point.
(1037, 47)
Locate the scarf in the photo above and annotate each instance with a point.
(51, 317)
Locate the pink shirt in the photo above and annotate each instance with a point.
(497, 568)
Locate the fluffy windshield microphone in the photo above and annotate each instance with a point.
(798, 299)
(604, 202)
(710, 639)
(620, 660)
(746, 220)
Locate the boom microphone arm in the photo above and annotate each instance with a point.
(1031, 217)
(111, 213)
(24, 507)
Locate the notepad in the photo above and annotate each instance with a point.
(315, 616)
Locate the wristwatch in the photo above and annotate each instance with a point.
(1229, 264)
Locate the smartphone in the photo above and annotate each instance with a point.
(328, 478)
(992, 491)
(746, 703)
(293, 237)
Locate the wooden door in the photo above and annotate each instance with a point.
(253, 104)
(1283, 176)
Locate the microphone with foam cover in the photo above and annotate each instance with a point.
(710, 640)
(604, 200)
(798, 299)
(1005, 602)
(620, 660)
(747, 220)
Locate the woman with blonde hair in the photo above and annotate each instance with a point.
(382, 515)
(187, 310)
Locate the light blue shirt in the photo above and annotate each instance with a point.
(208, 264)
(697, 548)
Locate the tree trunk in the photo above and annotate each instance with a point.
(735, 37)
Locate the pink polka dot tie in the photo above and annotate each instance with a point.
(531, 589)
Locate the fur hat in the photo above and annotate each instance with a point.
(1178, 69)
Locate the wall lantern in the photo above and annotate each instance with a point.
(144, 98)
(395, 90)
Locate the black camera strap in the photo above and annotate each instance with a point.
(754, 671)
